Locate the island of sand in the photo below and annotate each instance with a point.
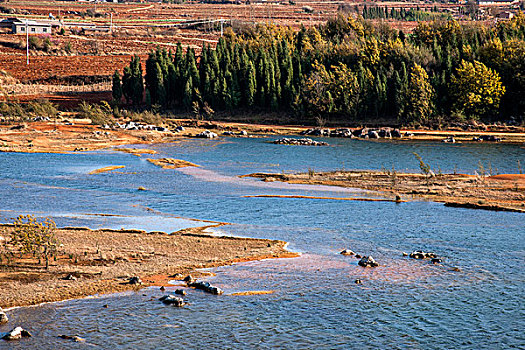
(103, 261)
(505, 192)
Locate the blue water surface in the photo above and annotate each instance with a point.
(403, 304)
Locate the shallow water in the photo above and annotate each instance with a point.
(404, 303)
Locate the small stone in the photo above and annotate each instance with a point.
(172, 300)
(135, 280)
(189, 279)
(358, 281)
(70, 277)
(456, 269)
(75, 338)
(16, 333)
(105, 306)
(417, 255)
(358, 256)
(347, 252)
(180, 292)
(162, 288)
(368, 261)
(405, 254)
(436, 261)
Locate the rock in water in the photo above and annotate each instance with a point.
(347, 252)
(16, 333)
(180, 292)
(172, 300)
(422, 255)
(75, 338)
(368, 261)
(299, 142)
(418, 255)
(207, 287)
(3, 317)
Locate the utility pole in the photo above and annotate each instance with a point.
(222, 22)
(27, 41)
(111, 24)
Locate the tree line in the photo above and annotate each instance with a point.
(349, 70)
(402, 14)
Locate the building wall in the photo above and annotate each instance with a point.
(21, 29)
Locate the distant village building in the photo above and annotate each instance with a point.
(20, 26)
(505, 15)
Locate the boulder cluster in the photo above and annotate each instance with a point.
(364, 133)
(299, 142)
(232, 133)
(207, 287)
(365, 261)
(136, 126)
(420, 255)
(207, 134)
(490, 138)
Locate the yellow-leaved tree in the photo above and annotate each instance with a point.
(477, 90)
(34, 237)
(419, 98)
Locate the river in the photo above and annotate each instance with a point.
(403, 304)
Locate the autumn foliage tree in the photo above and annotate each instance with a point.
(418, 100)
(477, 89)
(34, 237)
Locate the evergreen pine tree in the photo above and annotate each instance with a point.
(116, 90)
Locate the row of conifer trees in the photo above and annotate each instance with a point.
(349, 69)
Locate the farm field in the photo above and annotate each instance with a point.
(102, 37)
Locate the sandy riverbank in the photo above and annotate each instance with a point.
(80, 135)
(500, 192)
(104, 260)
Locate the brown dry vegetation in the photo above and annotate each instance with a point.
(103, 260)
(500, 192)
